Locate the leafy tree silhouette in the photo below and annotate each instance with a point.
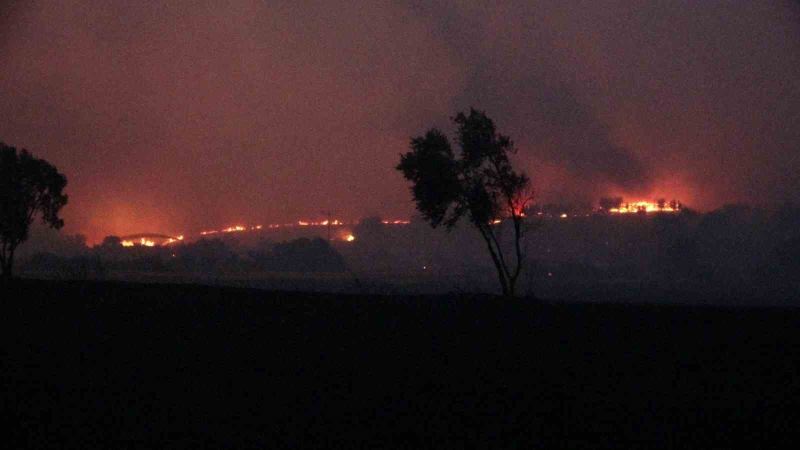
(111, 242)
(608, 203)
(480, 184)
(29, 186)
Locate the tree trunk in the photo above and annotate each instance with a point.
(498, 263)
(520, 258)
(504, 284)
(10, 264)
(7, 265)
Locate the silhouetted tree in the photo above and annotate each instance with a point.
(480, 184)
(29, 186)
(607, 203)
(112, 242)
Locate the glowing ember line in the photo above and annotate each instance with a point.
(647, 207)
(245, 228)
(322, 223)
(232, 229)
(142, 242)
(173, 240)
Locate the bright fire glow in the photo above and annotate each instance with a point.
(299, 223)
(150, 241)
(143, 242)
(245, 228)
(647, 207)
(172, 240)
(232, 229)
(311, 223)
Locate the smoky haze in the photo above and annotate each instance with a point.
(175, 116)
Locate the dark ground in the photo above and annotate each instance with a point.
(114, 365)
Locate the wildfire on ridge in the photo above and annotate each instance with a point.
(173, 240)
(154, 240)
(299, 223)
(232, 229)
(309, 223)
(157, 240)
(143, 242)
(647, 207)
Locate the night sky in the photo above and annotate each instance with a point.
(177, 116)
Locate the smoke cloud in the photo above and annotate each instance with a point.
(175, 116)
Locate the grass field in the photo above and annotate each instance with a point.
(116, 365)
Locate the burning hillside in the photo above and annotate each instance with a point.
(335, 229)
(149, 240)
(232, 229)
(618, 206)
(339, 230)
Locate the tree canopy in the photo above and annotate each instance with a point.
(480, 184)
(29, 186)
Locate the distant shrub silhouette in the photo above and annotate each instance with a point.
(302, 255)
(607, 203)
(60, 267)
(205, 255)
(46, 262)
(29, 186)
(112, 242)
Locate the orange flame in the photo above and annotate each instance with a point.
(232, 229)
(647, 207)
(143, 242)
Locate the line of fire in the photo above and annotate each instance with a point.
(342, 231)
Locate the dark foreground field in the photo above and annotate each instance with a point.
(105, 365)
